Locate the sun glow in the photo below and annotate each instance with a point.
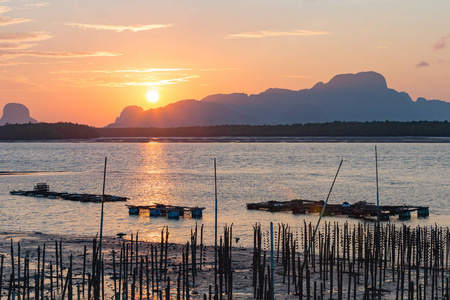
(152, 96)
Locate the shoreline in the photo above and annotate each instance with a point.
(251, 139)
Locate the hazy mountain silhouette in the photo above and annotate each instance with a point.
(179, 114)
(16, 113)
(347, 97)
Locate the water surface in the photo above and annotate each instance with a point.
(182, 174)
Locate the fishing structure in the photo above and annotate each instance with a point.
(170, 211)
(42, 190)
(361, 210)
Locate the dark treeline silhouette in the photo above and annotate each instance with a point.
(364, 129)
(47, 131)
(54, 131)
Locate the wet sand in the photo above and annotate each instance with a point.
(242, 261)
(74, 245)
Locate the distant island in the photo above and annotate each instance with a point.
(16, 113)
(361, 97)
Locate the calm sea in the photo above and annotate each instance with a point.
(182, 173)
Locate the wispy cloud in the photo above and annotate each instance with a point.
(128, 77)
(10, 54)
(442, 43)
(9, 63)
(16, 46)
(295, 76)
(37, 4)
(264, 34)
(219, 69)
(146, 77)
(140, 71)
(11, 21)
(4, 9)
(19, 63)
(155, 82)
(120, 82)
(17, 83)
(120, 28)
(23, 36)
(382, 47)
(150, 70)
(4, 1)
(422, 64)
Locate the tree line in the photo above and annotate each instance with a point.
(55, 131)
(47, 131)
(335, 129)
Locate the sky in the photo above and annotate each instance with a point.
(84, 61)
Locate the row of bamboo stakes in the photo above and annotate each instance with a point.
(357, 262)
(360, 261)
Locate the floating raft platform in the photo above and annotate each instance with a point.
(171, 211)
(42, 190)
(362, 209)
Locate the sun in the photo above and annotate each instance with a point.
(152, 96)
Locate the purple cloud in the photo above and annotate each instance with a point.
(422, 64)
(442, 43)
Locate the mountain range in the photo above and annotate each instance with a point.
(357, 97)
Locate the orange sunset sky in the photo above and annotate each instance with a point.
(84, 61)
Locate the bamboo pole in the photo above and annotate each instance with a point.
(1, 274)
(321, 214)
(215, 231)
(101, 228)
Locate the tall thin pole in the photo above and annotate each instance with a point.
(321, 214)
(378, 213)
(272, 285)
(101, 227)
(378, 196)
(101, 218)
(215, 231)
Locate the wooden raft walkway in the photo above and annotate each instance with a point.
(42, 190)
(171, 211)
(360, 209)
